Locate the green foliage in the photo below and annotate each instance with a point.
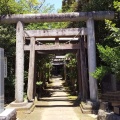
(69, 5)
(114, 47)
(25, 96)
(39, 83)
(71, 65)
(111, 58)
(100, 72)
(87, 6)
(9, 87)
(72, 60)
(98, 5)
(8, 34)
(117, 5)
(109, 50)
(110, 53)
(30, 6)
(114, 36)
(9, 7)
(7, 41)
(24, 6)
(25, 76)
(46, 26)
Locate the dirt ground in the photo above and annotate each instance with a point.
(56, 106)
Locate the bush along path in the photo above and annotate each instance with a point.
(57, 104)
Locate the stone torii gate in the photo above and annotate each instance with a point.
(54, 48)
(20, 19)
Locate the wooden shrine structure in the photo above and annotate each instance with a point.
(78, 47)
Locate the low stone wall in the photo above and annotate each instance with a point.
(111, 96)
(8, 114)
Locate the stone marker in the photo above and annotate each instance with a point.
(5, 114)
(117, 110)
(1, 80)
(109, 83)
(104, 106)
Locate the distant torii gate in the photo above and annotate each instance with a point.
(64, 48)
(88, 17)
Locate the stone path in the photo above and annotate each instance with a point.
(55, 107)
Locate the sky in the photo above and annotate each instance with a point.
(57, 3)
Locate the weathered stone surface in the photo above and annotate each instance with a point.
(21, 106)
(8, 114)
(91, 59)
(69, 32)
(1, 80)
(117, 110)
(104, 106)
(19, 81)
(58, 17)
(89, 107)
(31, 71)
(112, 97)
(109, 83)
(102, 115)
(113, 117)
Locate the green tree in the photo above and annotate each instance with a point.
(7, 35)
(9, 7)
(110, 50)
(87, 6)
(71, 65)
(7, 41)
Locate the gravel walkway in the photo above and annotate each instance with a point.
(55, 107)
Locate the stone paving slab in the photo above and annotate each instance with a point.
(56, 107)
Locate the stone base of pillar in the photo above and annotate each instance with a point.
(89, 107)
(8, 114)
(28, 106)
(104, 115)
(21, 104)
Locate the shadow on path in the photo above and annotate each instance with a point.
(57, 106)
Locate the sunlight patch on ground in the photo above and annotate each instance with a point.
(93, 116)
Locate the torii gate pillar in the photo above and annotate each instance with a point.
(19, 81)
(91, 59)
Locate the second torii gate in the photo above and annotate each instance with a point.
(33, 34)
